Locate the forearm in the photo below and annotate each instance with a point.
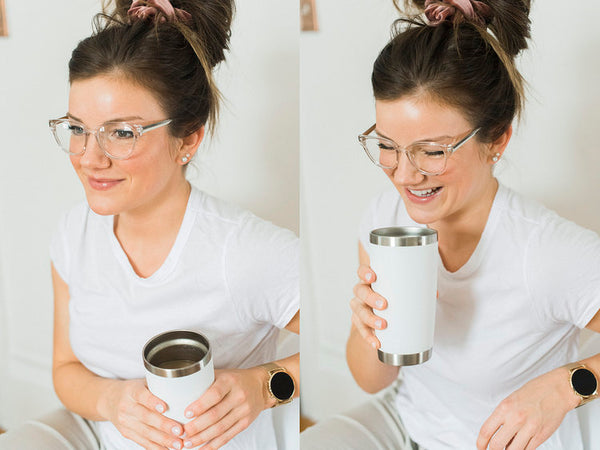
(369, 373)
(82, 391)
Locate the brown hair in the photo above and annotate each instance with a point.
(171, 58)
(459, 63)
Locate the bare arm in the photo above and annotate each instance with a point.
(370, 374)
(528, 416)
(235, 400)
(127, 404)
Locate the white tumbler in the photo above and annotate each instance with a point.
(179, 369)
(405, 261)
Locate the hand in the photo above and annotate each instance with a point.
(136, 413)
(363, 303)
(228, 407)
(529, 416)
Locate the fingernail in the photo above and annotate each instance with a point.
(188, 444)
(176, 430)
(189, 414)
(368, 276)
(378, 323)
(160, 408)
(177, 445)
(379, 304)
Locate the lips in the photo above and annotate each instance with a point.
(103, 184)
(423, 195)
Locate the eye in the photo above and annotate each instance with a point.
(429, 151)
(76, 130)
(384, 146)
(121, 133)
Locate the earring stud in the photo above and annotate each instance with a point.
(496, 157)
(186, 158)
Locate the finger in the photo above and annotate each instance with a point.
(366, 274)
(216, 428)
(368, 296)
(224, 437)
(521, 440)
(159, 421)
(503, 437)
(488, 429)
(213, 395)
(368, 334)
(163, 434)
(150, 401)
(150, 413)
(147, 443)
(207, 419)
(366, 315)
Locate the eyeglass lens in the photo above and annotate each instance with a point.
(115, 138)
(428, 157)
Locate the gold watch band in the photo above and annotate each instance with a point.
(572, 367)
(272, 369)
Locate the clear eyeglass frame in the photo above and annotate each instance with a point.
(127, 143)
(447, 149)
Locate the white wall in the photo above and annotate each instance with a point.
(252, 161)
(553, 157)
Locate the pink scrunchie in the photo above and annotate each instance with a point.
(438, 11)
(145, 9)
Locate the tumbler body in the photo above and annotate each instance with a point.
(405, 261)
(179, 369)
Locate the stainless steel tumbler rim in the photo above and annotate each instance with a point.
(189, 341)
(395, 359)
(403, 236)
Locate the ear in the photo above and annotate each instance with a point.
(188, 146)
(499, 145)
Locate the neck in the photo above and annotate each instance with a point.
(161, 218)
(459, 234)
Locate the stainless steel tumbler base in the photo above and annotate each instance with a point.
(395, 359)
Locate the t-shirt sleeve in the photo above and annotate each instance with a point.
(261, 263)
(59, 254)
(563, 266)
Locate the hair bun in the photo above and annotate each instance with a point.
(438, 11)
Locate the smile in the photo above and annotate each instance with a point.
(424, 193)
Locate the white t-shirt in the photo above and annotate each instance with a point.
(229, 275)
(511, 313)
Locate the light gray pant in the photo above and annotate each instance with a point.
(59, 430)
(374, 425)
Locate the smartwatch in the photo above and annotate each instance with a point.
(280, 385)
(583, 381)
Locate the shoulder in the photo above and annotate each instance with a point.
(540, 225)
(235, 224)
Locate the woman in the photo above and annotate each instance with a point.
(515, 282)
(149, 253)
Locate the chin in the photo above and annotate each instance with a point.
(102, 206)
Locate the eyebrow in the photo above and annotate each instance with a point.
(433, 139)
(117, 119)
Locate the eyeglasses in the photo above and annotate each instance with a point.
(116, 139)
(429, 158)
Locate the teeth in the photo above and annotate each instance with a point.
(424, 193)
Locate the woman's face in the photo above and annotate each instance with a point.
(457, 192)
(150, 174)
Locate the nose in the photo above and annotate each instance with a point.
(405, 173)
(93, 155)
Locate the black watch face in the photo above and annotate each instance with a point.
(584, 382)
(282, 386)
